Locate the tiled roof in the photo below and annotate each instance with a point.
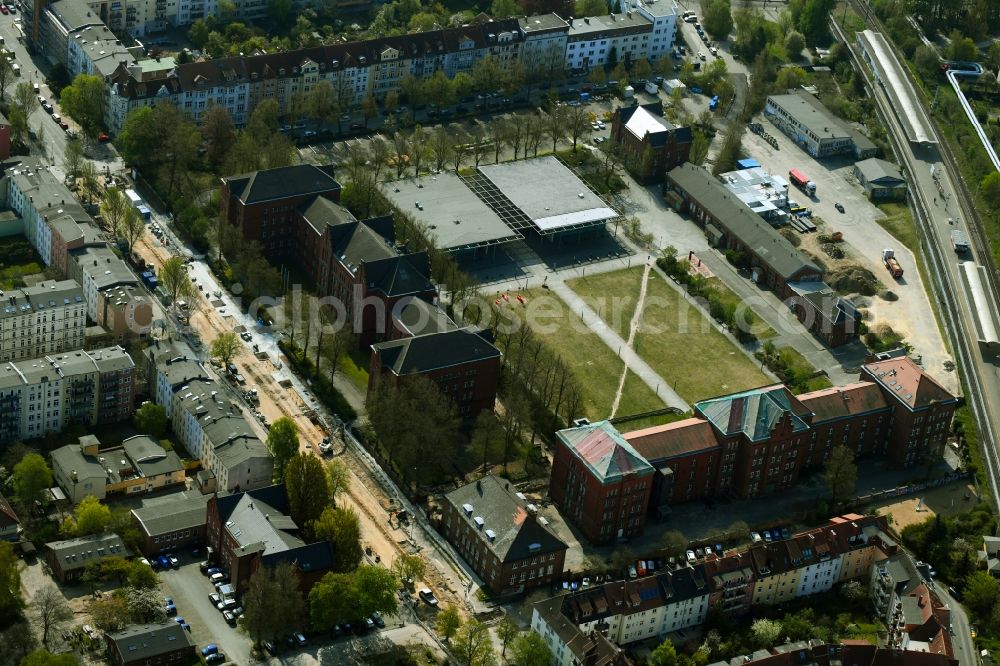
(843, 401)
(7, 515)
(673, 439)
(911, 385)
(403, 275)
(608, 455)
(148, 641)
(433, 351)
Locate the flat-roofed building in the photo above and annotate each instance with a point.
(804, 119)
(883, 181)
(68, 559)
(593, 40)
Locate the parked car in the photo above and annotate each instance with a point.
(214, 599)
(230, 618)
(271, 647)
(163, 561)
(428, 597)
(174, 562)
(211, 648)
(205, 566)
(300, 638)
(211, 571)
(217, 658)
(377, 619)
(217, 577)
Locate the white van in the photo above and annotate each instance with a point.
(16, 68)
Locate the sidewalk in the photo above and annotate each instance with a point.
(635, 363)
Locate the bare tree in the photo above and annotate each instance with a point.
(497, 129)
(418, 148)
(478, 143)
(50, 612)
(442, 145)
(515, 135)
(379, 149)
(113, 206)
(555, 125)
(133, 226)
(578, 123)
(400, 146)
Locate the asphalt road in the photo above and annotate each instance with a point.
(961, 639)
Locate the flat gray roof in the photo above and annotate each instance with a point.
(611, 23)
(542, 23)
(808, 111)
(548, 193)
(455, 217)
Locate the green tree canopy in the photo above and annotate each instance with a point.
(989, 188)
(717, 18)
(665, 654)
(448, 622)
(91, 517)
(32, 477)
(982, 594)
(151, 419)
(352, 596)
(341, 528)
(283, 443)
(10, 584)
(308, 487)
(530, 649)
(225, 347)
(273, 604)
(840, 473)
(83, 101)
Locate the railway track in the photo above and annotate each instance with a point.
(939, 260)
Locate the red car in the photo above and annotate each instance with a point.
(103, 137)
(63, 124)
(4, 10)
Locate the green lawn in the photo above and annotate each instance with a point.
(899, 223)
(801, 366)
(597, 368)
(355, 366)
(674, 338)
(17, 259)
(727, 296)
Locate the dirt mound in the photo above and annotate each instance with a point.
(853, 279)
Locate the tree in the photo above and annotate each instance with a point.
(790, 78)
(578, 123)
(224, 347)
(46, 658)
(339, 475)
(989, 187)
(109, 612)
(597, 76)
(504, 9)
(283, 443)
(10, 584)
(487, 438)
(151, 419)
(961, 47)
(665, 654)
(840, 473)
(530, 649)
(416, 423)
(353, 595)
(91, 517)
(812, 21)
(448, 622)
(75, 159)
(50, 612)
(6, 76)
(113, 203)
(765, 632)
(641, 69)
(273, 604)
(472, 645)
(506, 631)
(25, 99)
(308, 487)
(198, 33)
(699, 148)
(218, 132)
(132, 228)
(142, 576)
(982, 593)
(409, 568)
(341, 528)
(175, 280)
(673, 542)
(794, 43)
(83, 100)
(144, 605)
(32, 477)
(717, 18)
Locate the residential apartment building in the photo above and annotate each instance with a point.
(250, 530)
(601, 483)
(543, 51)
(168, 368)
(47, 394)
(663, 14)
(99, 270)
(139, 465)
(679, 596)
(804, 119)
(818, 653)
(759, 442)
(47, 318)
(500, 535)
(124, 310)
(602, 41)
(166, 642)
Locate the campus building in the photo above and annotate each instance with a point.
(651, 146)
(142, 645)
(253, 529)
(45, 395)
(500, 535)
(758, 442)
(804, 119)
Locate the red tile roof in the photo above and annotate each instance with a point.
(673, 439)
(905, 379)
(842, 401)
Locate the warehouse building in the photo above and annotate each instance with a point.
(805, 120)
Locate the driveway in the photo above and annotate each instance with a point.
(189, 589)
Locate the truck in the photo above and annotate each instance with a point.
(801, 181)
(891, 264)
(959, 242)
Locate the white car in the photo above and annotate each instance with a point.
(701, 55)
(714, 51)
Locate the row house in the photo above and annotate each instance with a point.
(759, 442)
(139, 465)
(45, 395)
(681, 596)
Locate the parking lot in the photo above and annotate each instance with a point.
(835, 183)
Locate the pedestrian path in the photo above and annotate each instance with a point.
(632, 361)
(633, 327)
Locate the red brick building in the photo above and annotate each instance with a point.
(601, 482)
(830, 317)
(463, 363)
(650, 145)
(4, 138)
(264, 204)
(758, 442)
(253, 529)
(498, 534)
